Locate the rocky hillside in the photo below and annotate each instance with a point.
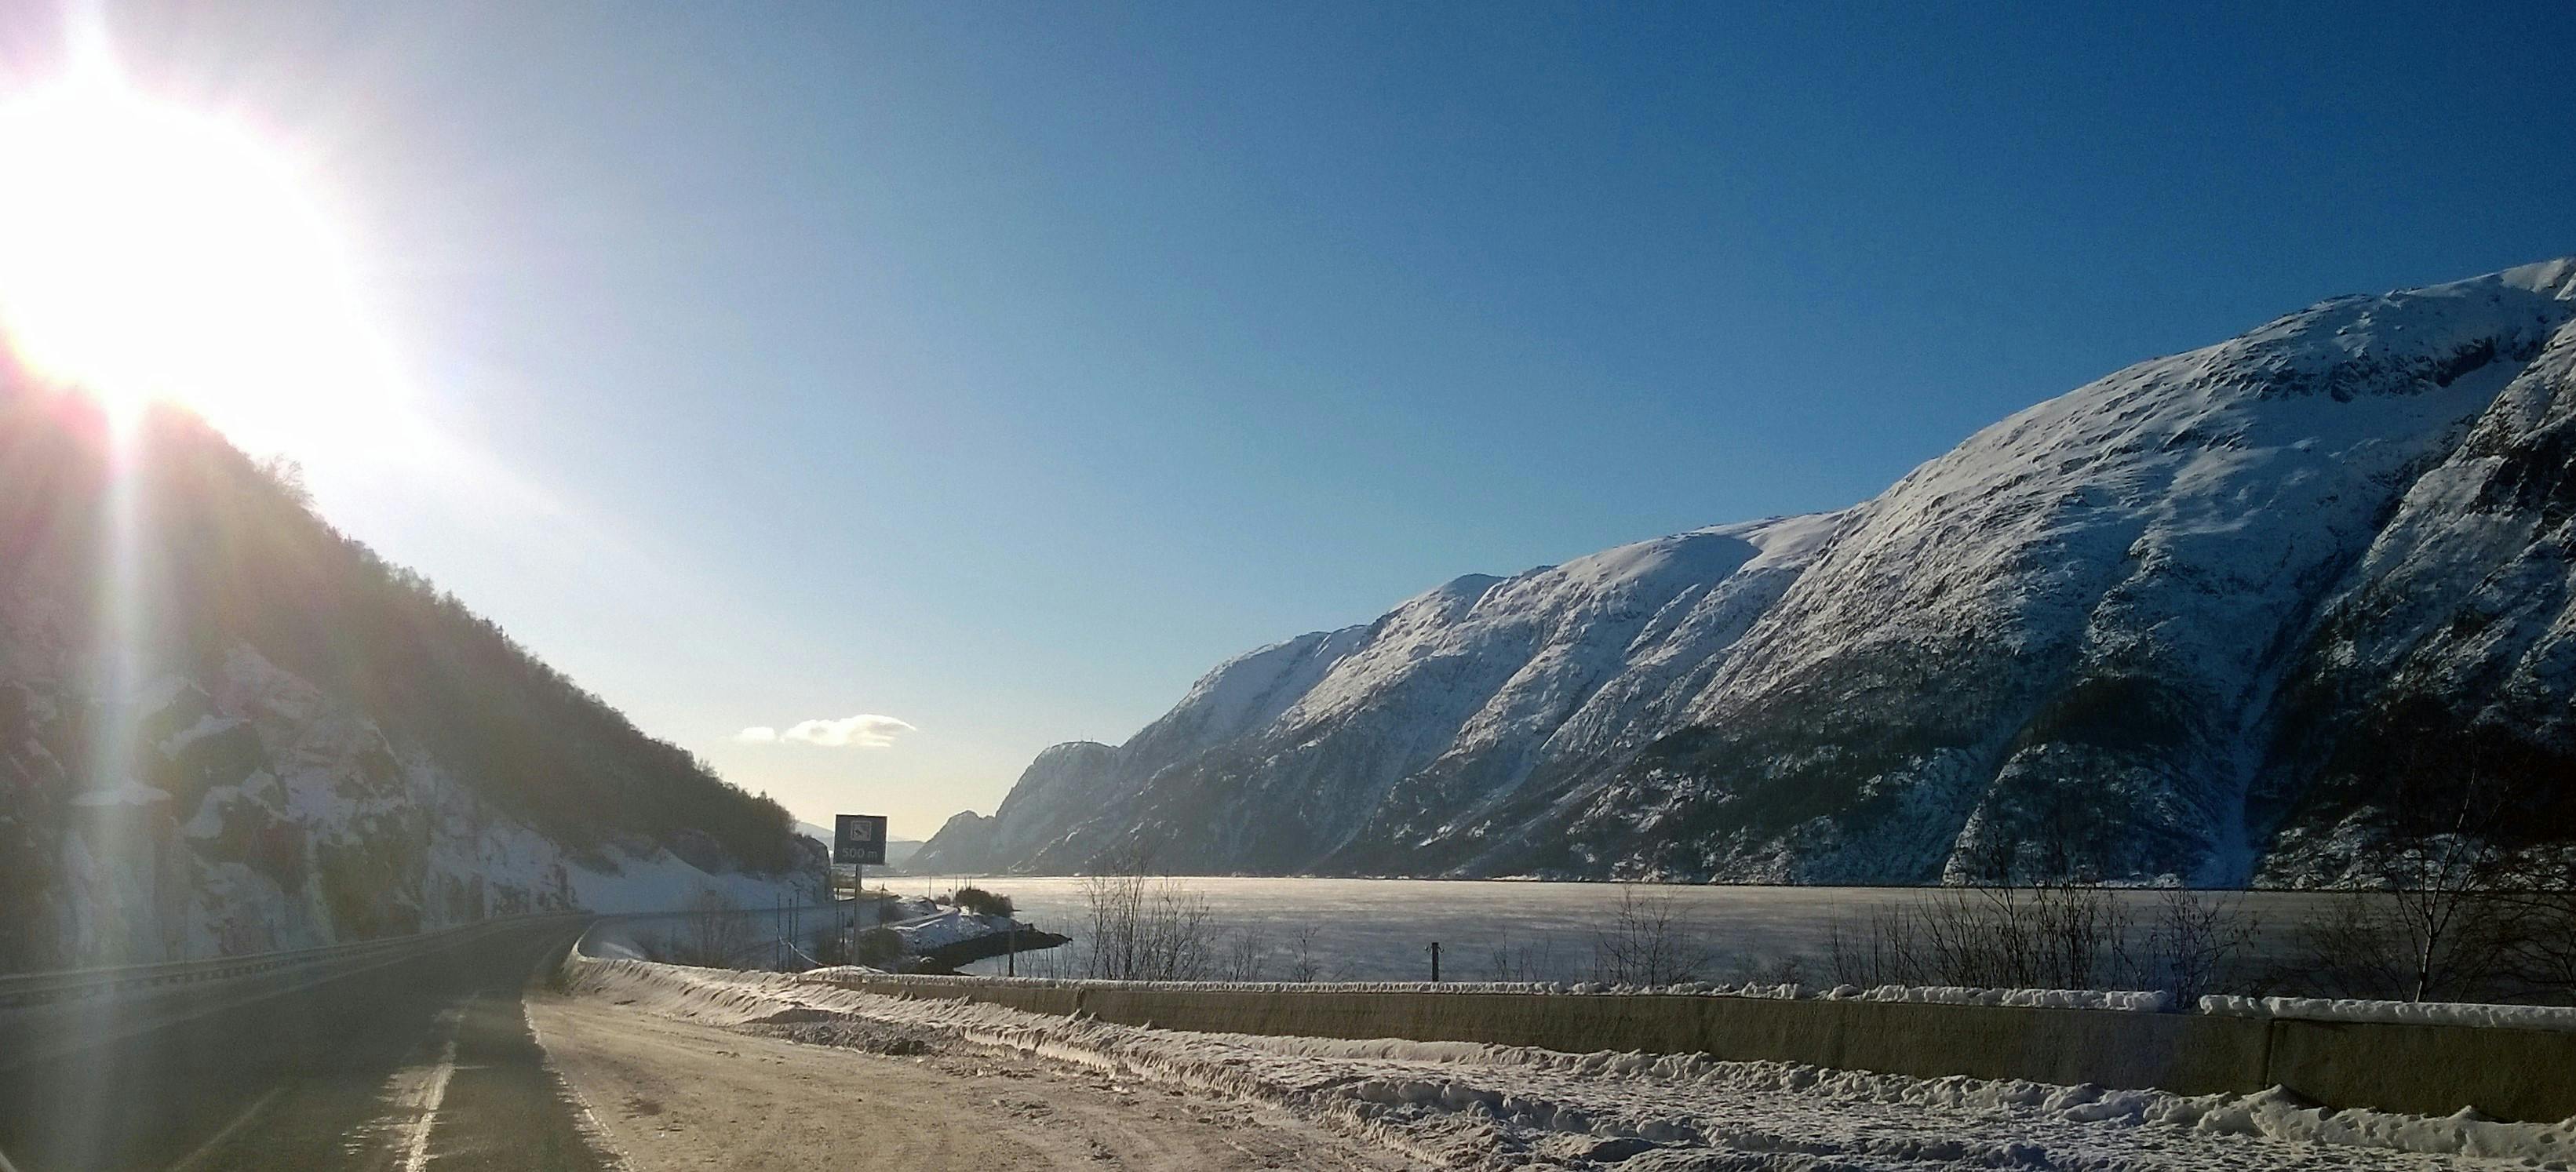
(2199, 619)
(225, 727)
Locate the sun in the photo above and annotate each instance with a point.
(149, 252)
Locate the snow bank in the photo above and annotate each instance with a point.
(2126, 1001)
(2521, 1017)
(1473, 1105)
(2132, 1001)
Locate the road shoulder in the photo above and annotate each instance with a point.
(804, 1095)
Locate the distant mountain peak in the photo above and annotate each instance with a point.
(2186, 621)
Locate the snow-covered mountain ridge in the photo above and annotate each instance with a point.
(2185, 621)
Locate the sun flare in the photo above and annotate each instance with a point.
(153, 253)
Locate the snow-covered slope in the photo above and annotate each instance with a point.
(1453, 700)
(2165, 624)
(169, 789)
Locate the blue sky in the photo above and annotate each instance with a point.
(999, 368)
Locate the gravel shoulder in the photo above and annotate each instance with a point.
(667, 1093)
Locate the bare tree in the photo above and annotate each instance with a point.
(1146, 928)
(2430, 916)
(1304, 966)
(1648, 941)
(2442, 881)
(1179, 936)
(1116, 903)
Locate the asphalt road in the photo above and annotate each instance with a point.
(426, 1057)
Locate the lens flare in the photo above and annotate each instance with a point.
(152, 253)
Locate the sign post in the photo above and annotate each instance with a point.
(858, 839)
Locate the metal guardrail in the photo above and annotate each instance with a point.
(81, 984)
(824, 913)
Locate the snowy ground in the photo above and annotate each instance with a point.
(1466, 1105)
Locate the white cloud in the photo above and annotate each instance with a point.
(864, 731)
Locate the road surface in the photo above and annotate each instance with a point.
(678, 1094)
(422, 1059)
(458, 1056)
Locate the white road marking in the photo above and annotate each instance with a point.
(217, 1140)
(587, 1122)
(426, 1097)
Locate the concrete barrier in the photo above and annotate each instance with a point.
(2419, 1069)
(2517, 1074)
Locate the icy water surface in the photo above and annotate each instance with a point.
(1382, 929)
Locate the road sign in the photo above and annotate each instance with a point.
(859, 839)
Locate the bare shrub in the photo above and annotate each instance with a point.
(1146, 928)
(1778, 970)
(1506, 961)
(660, 947)
(1246, 951)
(828, 945)
(1045, 963)
(1881, 948)
(2197, 941)
(877, 948)
(2540, 956)
(845, 941)
(2062, 934)
(713, 930)
(1648, 941)
(2054, 935)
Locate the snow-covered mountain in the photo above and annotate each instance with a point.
(2189, 620)
(225, 728)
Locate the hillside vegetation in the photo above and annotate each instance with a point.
(299, 707)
